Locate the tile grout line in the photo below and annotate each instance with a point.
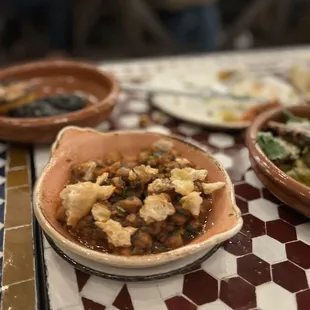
(4, 288)
(17, 168)
(17, 227)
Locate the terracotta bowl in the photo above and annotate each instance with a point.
(285, 188)
(75, 145)
(57, 76)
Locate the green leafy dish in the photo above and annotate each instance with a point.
(287, 145)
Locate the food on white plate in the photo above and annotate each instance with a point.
(262, 92)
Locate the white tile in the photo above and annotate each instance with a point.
(63, 289)
(2, 162)
(269, 249)
(101, 291)
(221, 140)
(110, 308)
(170, 287)
(189, 130)
(215, 305)
(138, 106)
(159, 129)
(78, 306)
(46, 245)
(303, 232)
(129, 121)
(225, 160)
(264, 209)
(122, 96)
(251, 178)
(1, 225)
(221, 264)
(146, 296)
(104, 126)
(1, 201)
(271, 296)
(41, 157)
(308, 276)
(2, 180)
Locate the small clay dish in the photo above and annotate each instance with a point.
(59, 77)
(285, 188)
(75, 145)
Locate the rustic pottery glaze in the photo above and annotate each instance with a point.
(75, 145)
(59, 76)
(285, 188)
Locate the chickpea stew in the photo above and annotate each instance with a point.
(154, 204)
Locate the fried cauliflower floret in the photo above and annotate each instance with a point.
(183, 179)
(163, 145)
(192, 203)
(183, 187)
(209, 188)
(156, 208)
(78, 199)
(100, 212)
(188, 174)
(143, 173)
(160, 185)
(102, 178)
(118, 235)
(183, 162)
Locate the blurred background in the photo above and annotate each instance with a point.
(116, 29)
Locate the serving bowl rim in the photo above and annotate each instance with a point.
(136, 261)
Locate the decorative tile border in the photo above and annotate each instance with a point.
(18, 276)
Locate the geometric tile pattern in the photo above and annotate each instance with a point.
(247, 272)
(268, 258)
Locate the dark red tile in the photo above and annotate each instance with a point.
(291, 216)
(299, 253)
(303, 300)
(289, 276)
(247, 191)
(281, 231)
(238, 294)
(253, 269)
(123, 300)
(81, 278)
(243, 205)
(208, 287)
(238, 245)
(201, 137)
(269, 196)
(91, 305)
(178, 303)
(252, 226)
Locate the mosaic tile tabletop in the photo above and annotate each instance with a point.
(265, 267)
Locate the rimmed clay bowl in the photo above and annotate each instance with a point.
(285, 188)
(59, 76)
(75, 145)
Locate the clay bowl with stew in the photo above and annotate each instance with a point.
(75, 145)
(59, 77)
(285, 188)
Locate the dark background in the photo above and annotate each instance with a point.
(117, 29)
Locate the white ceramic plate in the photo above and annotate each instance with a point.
(209, 112)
